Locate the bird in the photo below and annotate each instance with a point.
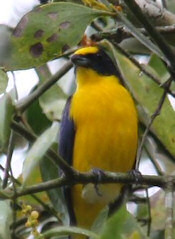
(99, 130)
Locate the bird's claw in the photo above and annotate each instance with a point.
(98, 173)
(136, 174)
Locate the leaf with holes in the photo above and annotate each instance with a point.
(46, 32)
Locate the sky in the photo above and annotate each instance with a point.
(12, 10)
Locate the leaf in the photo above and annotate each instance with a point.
(158, 210)
(46, 32)
(7, 110)
(38, 149)
(5, 219)
(122, 225)
(52, 104)
(3, 81)
(49, 172)
(61, 231)
(36, 119)
(100, 220)
(148, 94)
(158, 66)
(5, 44)
(35, 178)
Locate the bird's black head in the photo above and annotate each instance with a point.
(95, 58)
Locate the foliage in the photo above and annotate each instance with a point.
(53, 31)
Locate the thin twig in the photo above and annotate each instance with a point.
(149, 213)
(154, 115)
(169, 205)
(8, 160)
(137, 199)
(14, 199)
(23, 104)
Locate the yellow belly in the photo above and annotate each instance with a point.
(106, 138)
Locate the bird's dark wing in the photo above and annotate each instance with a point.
(66, 144)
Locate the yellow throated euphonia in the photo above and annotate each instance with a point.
(98, 130)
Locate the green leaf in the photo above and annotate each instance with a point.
(36, 119)
(5, 219)
(46, 32)
(49, 172)
(53, 102)
(7, 110)
(158, 210)
(3, 81)
(5, 44)
(158, 66)
(61, 231)
(100, 220)
(148, 95)
(122, 225)
(38, 149)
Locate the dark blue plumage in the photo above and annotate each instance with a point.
(67, 134)
(66, 144)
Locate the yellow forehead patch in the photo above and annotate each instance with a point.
(86, 50)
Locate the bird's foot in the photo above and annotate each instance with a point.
(136, 174)
(98, 173)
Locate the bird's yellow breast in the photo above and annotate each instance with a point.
(105, 119)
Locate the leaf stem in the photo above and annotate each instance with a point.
(9, 158)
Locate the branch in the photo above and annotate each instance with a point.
(155, 12)
(122, 33)
(156, 37)
(23, 104)
(106, 177)
(169, 205)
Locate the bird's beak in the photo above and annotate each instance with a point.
(80, 60)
